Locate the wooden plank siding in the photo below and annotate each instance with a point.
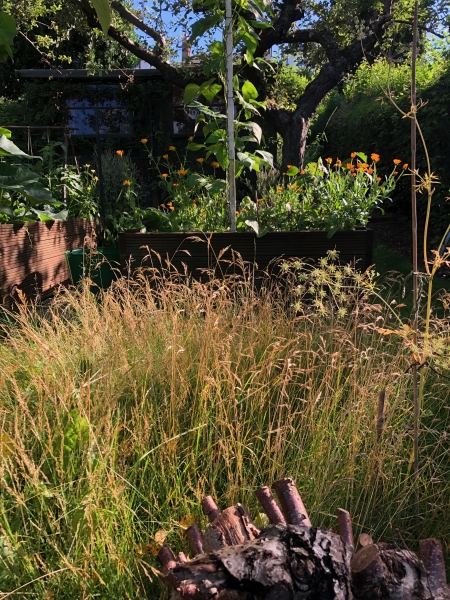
(198, 251)
(32, 256)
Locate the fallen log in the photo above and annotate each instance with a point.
(291, 560)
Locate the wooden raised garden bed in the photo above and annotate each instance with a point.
(32, 256)
(200, 251)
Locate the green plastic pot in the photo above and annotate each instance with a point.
(100, 265)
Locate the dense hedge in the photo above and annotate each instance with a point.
(364, 119)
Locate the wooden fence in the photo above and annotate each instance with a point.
(32, 256)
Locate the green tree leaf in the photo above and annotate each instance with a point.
(103, 11)
(249, 92)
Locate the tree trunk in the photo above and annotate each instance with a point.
(293, 128)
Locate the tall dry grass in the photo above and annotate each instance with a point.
(119, 412)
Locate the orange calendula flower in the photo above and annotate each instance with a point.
(171, 208)
(405, 166)
(144, 140)
(171, 148)
(370, 171)
(169, 203)
(350, 166)
(353, 174)
(165, 156)
(200, 160)
(175, 184)
(375, 157)
(395, 172)
(294, 186)
(215, 164)
(329, 160)
(119, 152)
(397, 161)
(302, 172)
(378, 178)
(353, 154)
(338, 163)
(182, 171)
(289, 166)
(364, 165)
(126, 182)
(164, 175)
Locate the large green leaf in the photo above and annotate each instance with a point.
(8, 32)
(25, 181)
(5, 132)
(201, 26)
(249, 91)
(103, 11)
(8, 148)
(190, 92)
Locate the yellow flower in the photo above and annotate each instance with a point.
(164, 175)
(119, 152)
(397, 161)
(144, 140)
(172, 148)
(92, 170)
(182, 171)
(87, 166)
(88, 189)
(126, 182)
(200, 160)
(165, 156)
(215, 164)
(375, 157)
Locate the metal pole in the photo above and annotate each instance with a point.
(100, 176)
(230, 113)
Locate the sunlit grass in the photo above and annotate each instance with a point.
(118, 413)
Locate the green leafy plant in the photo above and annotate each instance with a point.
(23, 197)
(325, 196)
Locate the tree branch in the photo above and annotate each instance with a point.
(291, 12)
(133, 19)
(173, 75)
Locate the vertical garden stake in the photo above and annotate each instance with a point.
(414, 247)
(230, 113)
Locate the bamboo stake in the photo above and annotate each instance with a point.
(230, 113)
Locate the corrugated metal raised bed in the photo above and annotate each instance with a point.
(200, 251)
(32, 256)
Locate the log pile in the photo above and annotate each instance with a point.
(291, 559)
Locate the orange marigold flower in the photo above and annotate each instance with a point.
(395, 172)
(294, 186)
(302, 172)
(165, 156)
(370, 171)
(164, 175)
(405, 166)
(119, 152)
(364, 165)
(169, 203)
(289, 166)
(329, 160)
(172, 148)
(144, 140)
(350, 166)
(353, 174)
(378, 178)
(353, 154)
(338, 163)
(397, 161)
(200, 160)
(126, 182)
(171, 208)
(182, 171)
(175, 184)
(215, 164)
(375, 157)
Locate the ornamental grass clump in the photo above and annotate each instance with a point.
(119, 412)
